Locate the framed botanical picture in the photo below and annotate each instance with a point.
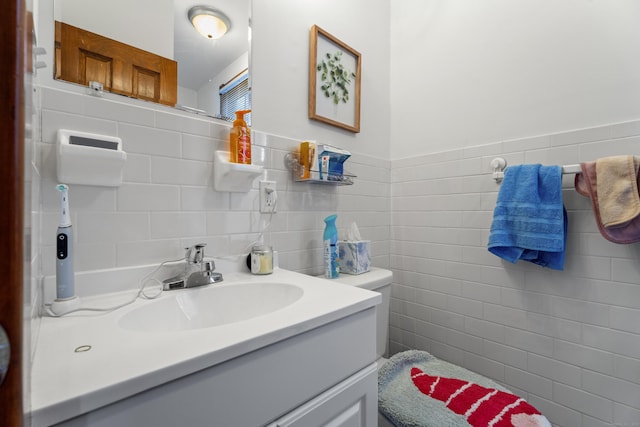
(334, 81)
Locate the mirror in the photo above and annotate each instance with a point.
(162, 29)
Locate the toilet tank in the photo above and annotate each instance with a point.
(379, 280)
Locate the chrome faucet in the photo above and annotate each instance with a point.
(198, 272)
(195, 254)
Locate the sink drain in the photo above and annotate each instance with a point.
(82, 349)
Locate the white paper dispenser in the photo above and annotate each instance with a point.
(89, 159)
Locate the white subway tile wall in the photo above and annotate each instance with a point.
(568, 341)
(167, 200)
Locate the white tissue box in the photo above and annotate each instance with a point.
(355, 256)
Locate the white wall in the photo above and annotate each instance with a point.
(466, 72)
(146, 24)
(475, 80)
(188, 97)
(280, 55)
(167, 200)
(209, 94)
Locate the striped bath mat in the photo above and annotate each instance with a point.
(415, 389)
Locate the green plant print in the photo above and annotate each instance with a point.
(335, 78)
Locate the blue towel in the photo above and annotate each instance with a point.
(529, 220)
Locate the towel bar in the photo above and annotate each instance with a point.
(499, 165)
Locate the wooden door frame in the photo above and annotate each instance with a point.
(13, 47)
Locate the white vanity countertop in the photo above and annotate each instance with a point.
(122, 362)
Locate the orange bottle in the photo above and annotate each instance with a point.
(240, 140)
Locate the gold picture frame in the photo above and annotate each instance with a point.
(334, 81)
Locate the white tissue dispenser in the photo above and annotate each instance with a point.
(89, 159)
(355, 256)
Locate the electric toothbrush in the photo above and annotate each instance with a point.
(66, 300)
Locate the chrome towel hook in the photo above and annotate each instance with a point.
(498, 165)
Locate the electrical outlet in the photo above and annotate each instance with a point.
(267, 196)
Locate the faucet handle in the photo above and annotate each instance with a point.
(208, 267)
(195, 254)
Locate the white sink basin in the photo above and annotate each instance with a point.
(210, 306)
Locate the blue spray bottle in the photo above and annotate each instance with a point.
(330, 247)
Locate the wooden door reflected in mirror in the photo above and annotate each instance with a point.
(83, 57)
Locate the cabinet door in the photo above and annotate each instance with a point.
(352, 403)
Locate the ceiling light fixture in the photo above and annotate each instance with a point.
(209, 22)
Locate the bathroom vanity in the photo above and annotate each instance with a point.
(309, 360)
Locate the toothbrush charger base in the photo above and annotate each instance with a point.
(60, 307)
